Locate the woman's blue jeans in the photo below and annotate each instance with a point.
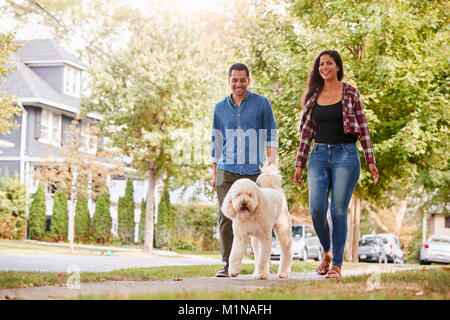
(332, 168)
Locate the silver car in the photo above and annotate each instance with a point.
(436, 249)
(304, 244)
(371, 249)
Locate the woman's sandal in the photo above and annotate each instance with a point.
(324, 266)
(334, 273)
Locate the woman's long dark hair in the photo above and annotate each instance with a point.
(315, 81)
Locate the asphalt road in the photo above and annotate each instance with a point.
(62, 263)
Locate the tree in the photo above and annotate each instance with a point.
(82, 220)
(126, 214)
(153, 88)
(60, 217)
(149, 104)
(38, 219)
(102, 221)
(392, 52)
(7, 109)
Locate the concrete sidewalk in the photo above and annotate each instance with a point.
(125, 288)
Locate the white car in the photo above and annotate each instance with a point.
(436, 249)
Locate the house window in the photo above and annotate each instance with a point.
(447, 222)
(72, 81)
(50, 128)
(89, 140)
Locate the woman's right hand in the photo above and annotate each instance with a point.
(298, 176)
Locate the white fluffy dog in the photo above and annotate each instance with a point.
(256, 209)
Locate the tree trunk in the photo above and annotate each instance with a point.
(355, 234)
(149, 209)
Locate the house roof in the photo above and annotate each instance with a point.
(29, 87)
(46, 50)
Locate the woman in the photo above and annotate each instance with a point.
(333, 116)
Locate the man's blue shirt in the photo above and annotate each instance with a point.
(240, 135)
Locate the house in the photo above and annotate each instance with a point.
(439, 224)
(48, 85)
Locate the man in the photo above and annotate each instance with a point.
(243, 130)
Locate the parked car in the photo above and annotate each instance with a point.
(391, 243)
(436, 249)
(304, 245)
(371, 249)
(314, 248)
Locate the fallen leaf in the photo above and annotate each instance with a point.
(177, 279)
(446, 268)
(7, 298)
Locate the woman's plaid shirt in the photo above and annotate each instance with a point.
(355, 122)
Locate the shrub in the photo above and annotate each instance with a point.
(60, 218)
(82, 220)
(12, 197)
(126, 215)
(197, 223)
(102, 221)
(165, 228)
(37, 220)
(13, 228)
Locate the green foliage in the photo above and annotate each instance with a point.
(126, 214)
(184, 245)
(197, 224)
(60, 218)
(165, 227)
(414, 246)
(12, 196)
(82, 220)
(102, 221)
(37, 217)
(392, 52)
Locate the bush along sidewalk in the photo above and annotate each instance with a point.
(60, 218)
(126, 215)
(102, 221)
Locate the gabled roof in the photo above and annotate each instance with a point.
(27, 86)
(46, 50)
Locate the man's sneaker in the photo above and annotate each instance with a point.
(223, 272)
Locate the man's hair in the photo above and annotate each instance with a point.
(239, 67)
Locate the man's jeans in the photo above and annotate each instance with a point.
(335, 168)
(224, 180)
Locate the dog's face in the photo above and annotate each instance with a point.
(242, 199)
